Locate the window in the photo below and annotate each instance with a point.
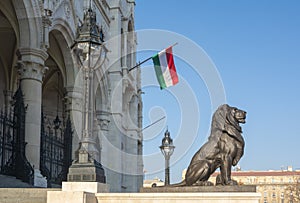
(273, 180)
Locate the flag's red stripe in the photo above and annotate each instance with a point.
(171, 65)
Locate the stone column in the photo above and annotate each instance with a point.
(31, 72)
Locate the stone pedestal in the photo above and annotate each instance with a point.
(212, 189)
(193, 197)
(91, 187)
(86, 172)
(77, 192)
(91, 192)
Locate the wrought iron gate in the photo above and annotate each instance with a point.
(13, 161)
(56, 150)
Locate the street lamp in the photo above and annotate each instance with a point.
(91, 53)
(167, 149)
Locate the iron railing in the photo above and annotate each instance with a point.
(56, 150)
(12, 141)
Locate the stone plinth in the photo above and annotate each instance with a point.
(81, 192)
(91, 187)
(193, 197)
(77, 192)
(74, 197)
(169, 189)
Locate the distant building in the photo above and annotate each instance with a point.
(280, 186)
(275, 186)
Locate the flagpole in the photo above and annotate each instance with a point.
(153, 123)
(140, 63)
(174, 44)
(144, 61)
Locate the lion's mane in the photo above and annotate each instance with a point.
(223, 120)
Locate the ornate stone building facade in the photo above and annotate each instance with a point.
(36, 37)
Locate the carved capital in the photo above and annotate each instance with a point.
(31, 63)
(30, 70)
(73, 99)
(73, 103)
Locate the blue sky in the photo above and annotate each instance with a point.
(254, 47)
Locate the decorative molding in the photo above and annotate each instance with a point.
(56, 4)
(103, 119)
(31, 70)
(67, 10)
(73, 103)
(31, 63)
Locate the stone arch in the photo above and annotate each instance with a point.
(9, 37)
(29, 17)
(53, 93)
(101, 99)
(62, 32)
(60, 72)
(128, 95)
(130, 27)
(133, 110)
(8, 11)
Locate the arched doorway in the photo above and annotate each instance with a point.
(8, 41)
(56, 130)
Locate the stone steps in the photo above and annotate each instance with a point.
(24, 195)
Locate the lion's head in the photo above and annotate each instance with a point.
(228, 119)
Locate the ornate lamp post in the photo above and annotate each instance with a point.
(91, 53)
(167, 149)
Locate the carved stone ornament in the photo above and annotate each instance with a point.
(67, 10)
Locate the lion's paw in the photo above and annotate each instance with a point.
(232, 182)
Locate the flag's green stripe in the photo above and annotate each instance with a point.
(158, 72)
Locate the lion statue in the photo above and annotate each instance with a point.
(224, 148)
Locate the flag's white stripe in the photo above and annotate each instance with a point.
(165, 69)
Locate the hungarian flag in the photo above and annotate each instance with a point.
(165, 68)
